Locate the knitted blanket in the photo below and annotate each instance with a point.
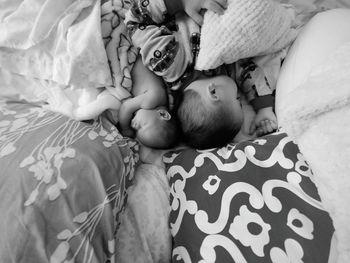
(247, 28)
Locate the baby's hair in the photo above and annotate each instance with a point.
(204, 127)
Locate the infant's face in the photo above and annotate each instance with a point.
(148, 123)
(220, 89)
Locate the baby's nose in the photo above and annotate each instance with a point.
(134, 124)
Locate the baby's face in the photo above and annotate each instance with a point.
(148, 124)
(220, 89)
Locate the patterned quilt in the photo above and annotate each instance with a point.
(62, 186)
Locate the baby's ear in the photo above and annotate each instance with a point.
(212, 92)
(164, 114)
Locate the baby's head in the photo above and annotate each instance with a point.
(210, 113)
(155, 128)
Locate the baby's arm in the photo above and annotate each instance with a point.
(104, 101)
(126, 112)
(255, 85)
(149, 93)
(147, 100)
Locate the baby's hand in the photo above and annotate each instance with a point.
(194, 8)
(125, 116)
(265, 122)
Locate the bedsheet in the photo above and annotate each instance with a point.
(63, 185)
(318, 81)
(66, 53)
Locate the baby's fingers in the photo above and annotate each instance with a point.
(266, 127)
(252, 128)
(273, 125)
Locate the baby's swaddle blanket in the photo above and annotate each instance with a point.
(248, 28)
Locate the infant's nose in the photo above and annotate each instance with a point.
(134, 124)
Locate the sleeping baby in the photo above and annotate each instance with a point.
(209, 109)
(145, 115)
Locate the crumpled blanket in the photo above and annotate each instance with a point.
(68, 52)
(121, 53)
(318, 119)
(55, 41)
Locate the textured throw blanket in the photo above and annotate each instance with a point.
(248, 28)
(319, 121)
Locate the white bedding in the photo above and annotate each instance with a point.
(313, 96)
(55, 41)
(65, 54)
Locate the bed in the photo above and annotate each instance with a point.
(78, 191)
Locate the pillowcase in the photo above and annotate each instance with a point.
(247, 28)
(313, 49)
(253, 201)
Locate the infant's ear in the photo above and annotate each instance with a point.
(212, 92)
(164, 114)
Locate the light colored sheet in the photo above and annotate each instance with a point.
(144, 234)
(66, 54)
(57, 41)
(315, 111)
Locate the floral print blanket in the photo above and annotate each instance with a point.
(62, 186)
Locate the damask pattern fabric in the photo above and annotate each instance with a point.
(249, 202)
(62, 186)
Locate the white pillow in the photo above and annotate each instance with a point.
(323, 35)
(247, 28)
